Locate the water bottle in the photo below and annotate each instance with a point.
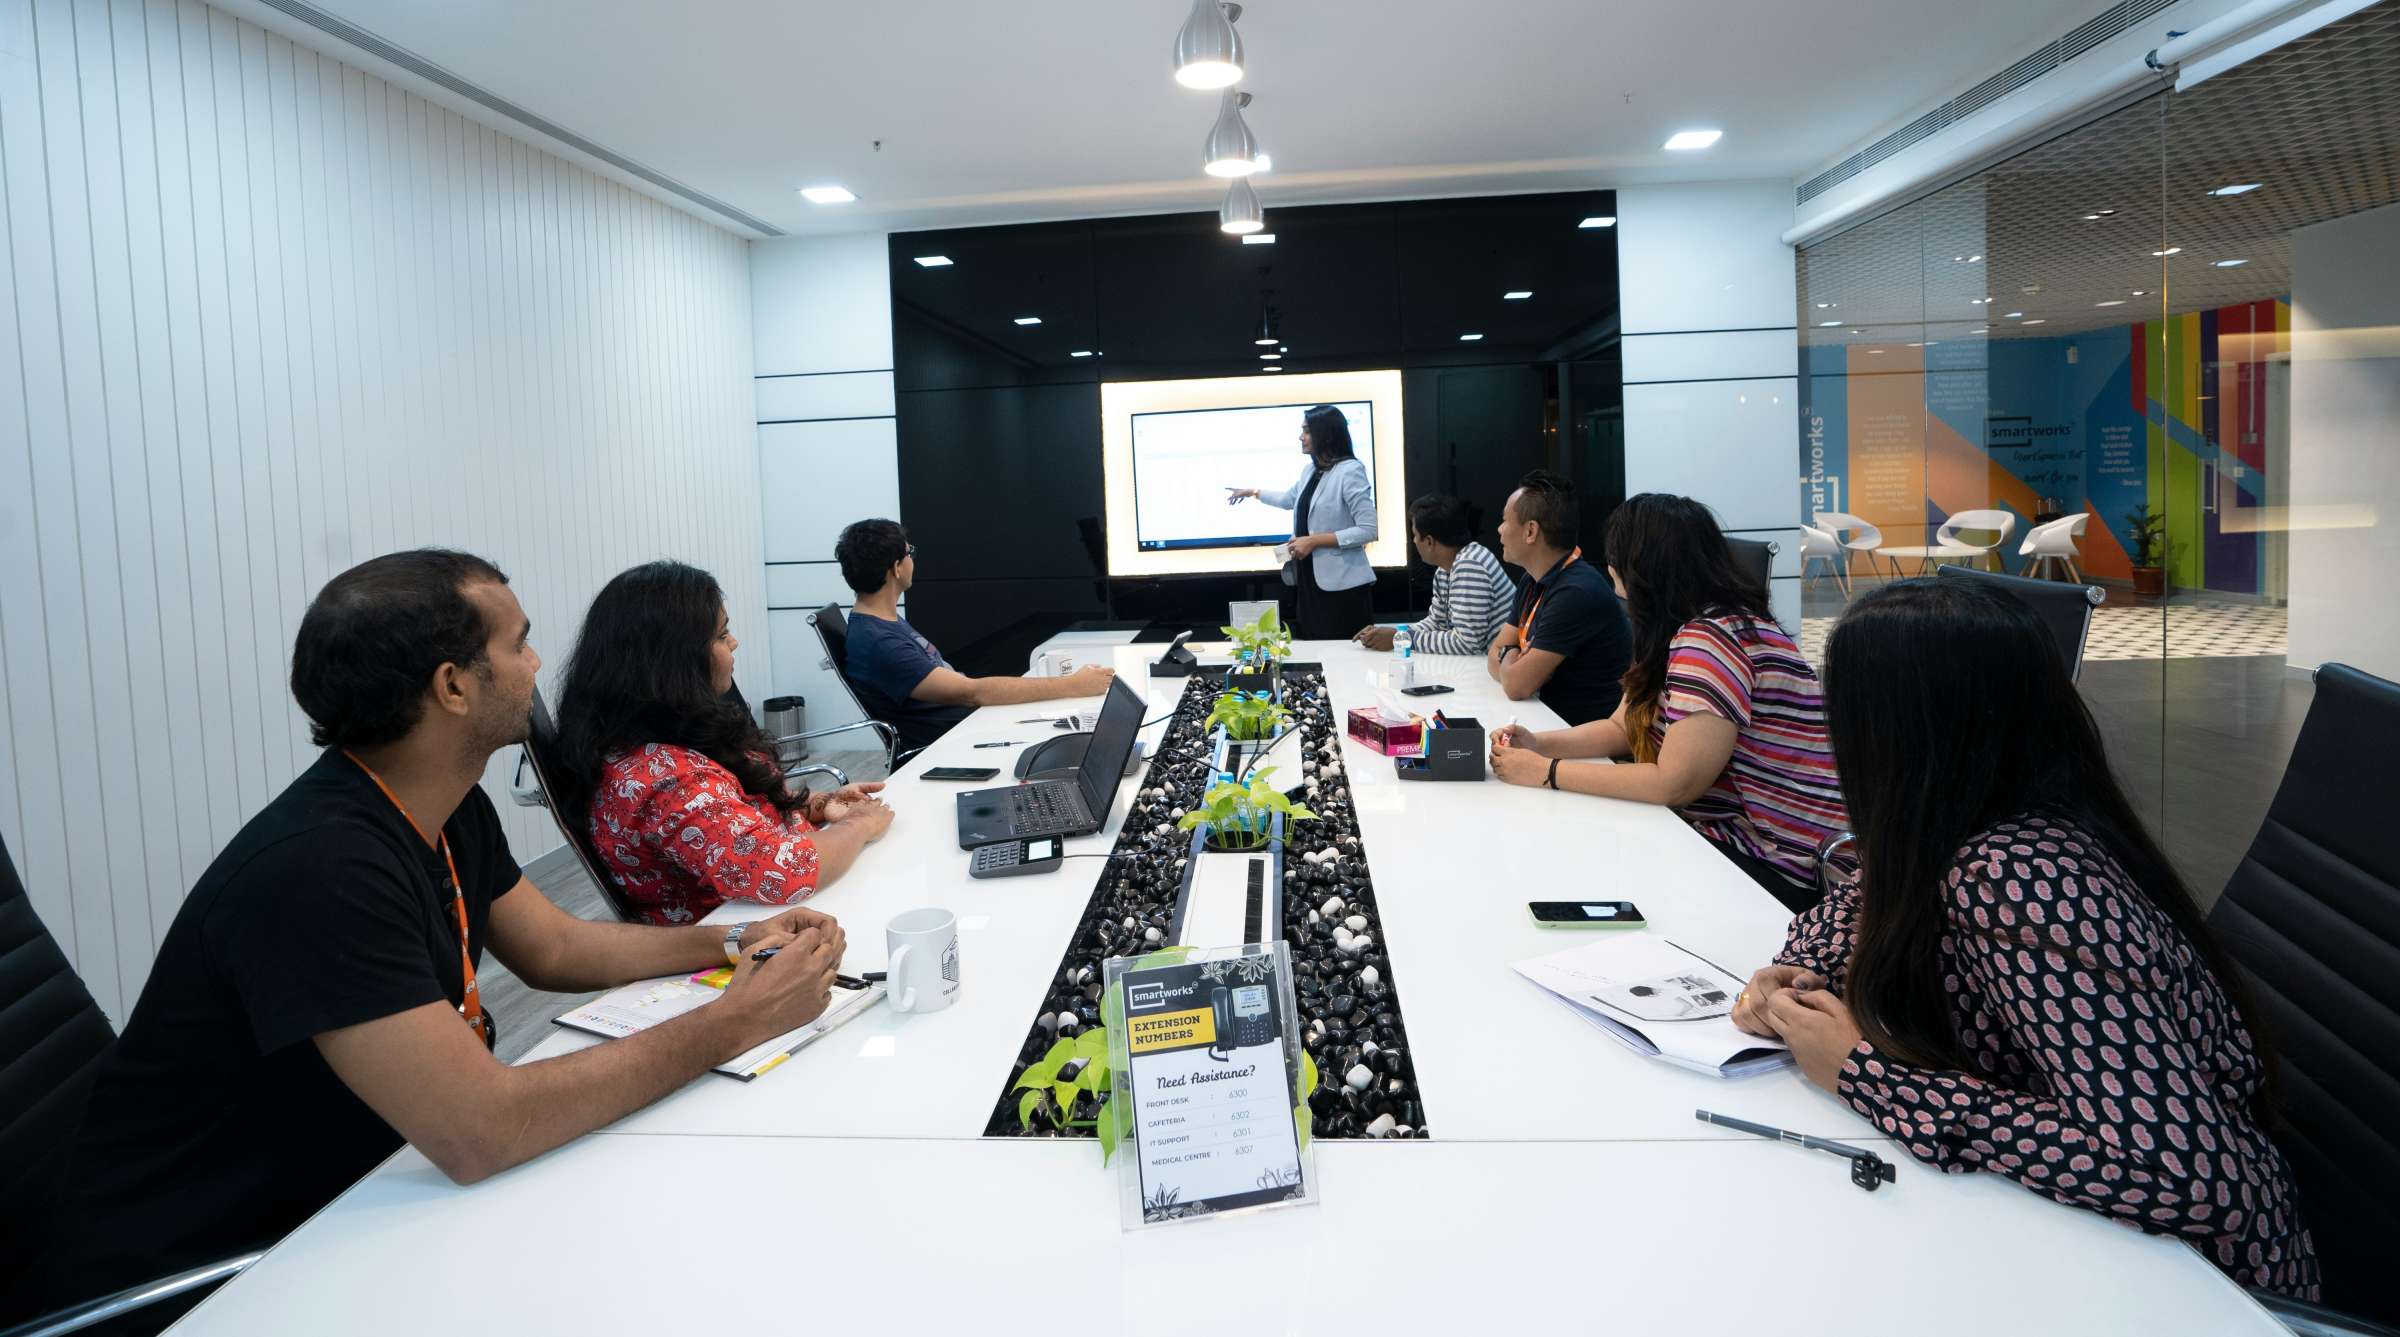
(1404, 645)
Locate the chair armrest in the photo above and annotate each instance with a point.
(2315, 1320)
(890, 735)
(840, 776)
(1826, 849)
(132, 1298)
(527, 795)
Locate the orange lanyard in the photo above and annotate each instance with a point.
(472, 1007)
(1525, 628)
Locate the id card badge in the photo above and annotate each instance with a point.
(1209, 1063)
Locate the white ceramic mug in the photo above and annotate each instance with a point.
(922, 972)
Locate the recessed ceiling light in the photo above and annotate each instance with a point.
(1914, 345)
(1977, 301)
(933, 261)
(1259, 239)
(826, 195)
(1516, 294)
(2030, 288)
(1854, 331)
(2141, 292)
(1270, 368)
(2113, 301)
(1685, 141)
(1468, 338)
(1974, 259)
(1874, 350)
(2242, 189)
(2038, 320)
(1599, 220)
(2011, 315)
(2171, 250)
(1827, 324)
(1825, 306)
(1283, 348)
(1029, 320)
(1269, 357)
(1264, 343)
(1081, 352)
(1968, 259)
(2230, 264)
(1265, 162)
(1985, 330)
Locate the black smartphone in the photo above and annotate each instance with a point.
(962, 773)
(1585, 914)
(1427, 689)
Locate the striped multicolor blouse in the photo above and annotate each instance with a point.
(1779, 797)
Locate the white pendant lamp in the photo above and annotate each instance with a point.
(1208, 52)
(1232, 150)
(1241, 213)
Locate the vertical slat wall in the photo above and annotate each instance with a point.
(262, 316)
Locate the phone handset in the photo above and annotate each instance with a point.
(1220, 1001)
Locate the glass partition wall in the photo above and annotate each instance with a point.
(2158, 354)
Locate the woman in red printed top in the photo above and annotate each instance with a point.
(2017, 982)
(675, 782)
(1722, 718)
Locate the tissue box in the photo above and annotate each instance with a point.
(1368, 726)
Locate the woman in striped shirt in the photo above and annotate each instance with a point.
(1472, 594)
(1722, 718)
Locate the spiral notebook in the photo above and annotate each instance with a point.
(645, 1003)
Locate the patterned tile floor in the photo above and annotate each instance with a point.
(2129, 630)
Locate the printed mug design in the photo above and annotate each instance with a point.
(950, 962)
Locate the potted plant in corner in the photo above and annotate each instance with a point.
(2149, 529)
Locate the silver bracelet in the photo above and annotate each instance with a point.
(733, 943)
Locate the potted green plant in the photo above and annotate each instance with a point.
(1259, 647)
(2149, 529)
(1240, 815)
(1250, 720)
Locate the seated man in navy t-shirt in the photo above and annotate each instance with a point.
(898, 675)
(1567, 640)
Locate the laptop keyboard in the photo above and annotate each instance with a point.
(1049, 807)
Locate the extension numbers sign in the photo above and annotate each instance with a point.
(1210, 1063)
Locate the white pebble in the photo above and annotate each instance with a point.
(1342, 938)
(1402, 1131)
(1356, 923)
(1360, 1077)
(1383, 1126)
(1343, 942)
(1370, 1048)
(1152, 935)
(1370, 975)
(1178, 812)
(1068, 1021)
(1331, 907)
(1129, 922)
(1313, 917)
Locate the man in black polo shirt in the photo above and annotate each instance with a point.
(1567, 641)
(313, 1003)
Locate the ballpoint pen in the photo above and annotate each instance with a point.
(1867, 1170)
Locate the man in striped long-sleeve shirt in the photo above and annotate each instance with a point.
(1472, 593)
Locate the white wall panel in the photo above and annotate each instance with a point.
(1715, 355)
(807, 585)
(1705, 257)
(816, 477)
(822, 304)
(859, 394)
(262, 316)
(1731, 444)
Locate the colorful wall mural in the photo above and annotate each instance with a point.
(2168, 414)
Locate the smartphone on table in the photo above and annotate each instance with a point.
(1585, 914)
(962, 773)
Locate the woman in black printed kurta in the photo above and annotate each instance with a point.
(2017, 982)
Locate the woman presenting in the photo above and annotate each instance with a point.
(1333, 521)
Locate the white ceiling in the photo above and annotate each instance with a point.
(994, 112)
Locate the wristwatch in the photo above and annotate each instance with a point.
(733, 943)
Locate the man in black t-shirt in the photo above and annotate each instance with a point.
(1567, 640)
(312, 1005)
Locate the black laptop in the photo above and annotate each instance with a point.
(1074, 807)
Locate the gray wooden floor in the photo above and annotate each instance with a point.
(525, 1013)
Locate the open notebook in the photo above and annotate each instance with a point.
(1659, 999)
(645, 1003)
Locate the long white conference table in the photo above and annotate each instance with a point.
(1566, 1183)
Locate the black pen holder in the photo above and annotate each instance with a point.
(1455, 751)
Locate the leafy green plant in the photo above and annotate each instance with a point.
(1240, 814)
(1247, 716)
(2149, 535)
(1262, 640)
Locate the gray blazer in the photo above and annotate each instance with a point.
(1343, 507)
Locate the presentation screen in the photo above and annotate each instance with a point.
(1173, 448)
(1183, 458)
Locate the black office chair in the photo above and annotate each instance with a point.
(2066, 608)
(833, 634)
(1756, 556)
(51, 1038)
(2312, 915)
